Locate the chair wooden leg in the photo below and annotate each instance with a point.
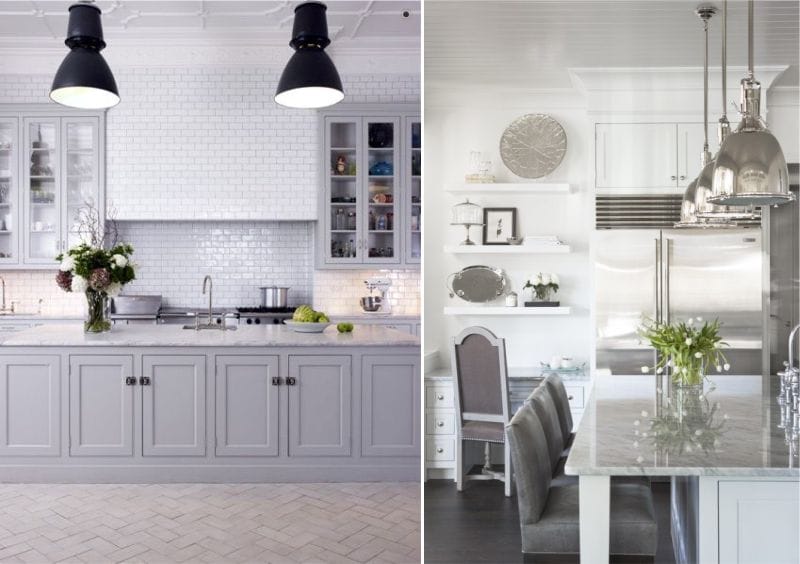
(508, 476)
(459, 464)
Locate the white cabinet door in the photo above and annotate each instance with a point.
(30, 413)
(758, 522)
(636, 157)
(42, 192)
(101, 405)
(390, 405)
(82, 173)
(247, 405)
(690, 148)
(10, 180)
(173, 405)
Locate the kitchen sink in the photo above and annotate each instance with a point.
(207, 326)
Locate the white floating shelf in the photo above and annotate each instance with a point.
(507, 249)
(511, 188)
(503, 311)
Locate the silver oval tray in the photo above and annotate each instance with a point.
(478, 284)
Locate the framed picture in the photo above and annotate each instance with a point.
(498, 225)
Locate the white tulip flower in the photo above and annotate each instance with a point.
(719, 368)
(726, 367)
(688, 341)
(67, 264)
(698, 355)
(689, 321)
(645, 369)
(699, 319)
(79, 284)
(659, 370)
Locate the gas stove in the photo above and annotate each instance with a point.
(264, 315)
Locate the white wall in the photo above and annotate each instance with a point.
(462, 120)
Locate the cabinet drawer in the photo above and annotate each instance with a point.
(439, 449)
(440, 423)
(575, 395)
(439, 396)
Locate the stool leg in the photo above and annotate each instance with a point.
(487, 458)
(508, 476)
(459, 464)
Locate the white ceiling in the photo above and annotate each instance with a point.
(532, 43)
(347, 19)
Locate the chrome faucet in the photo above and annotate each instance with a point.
(207, 280)
(3, 281)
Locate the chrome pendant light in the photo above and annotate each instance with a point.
(310, 79)
(84, 79)
(750, 168)
(704, 184)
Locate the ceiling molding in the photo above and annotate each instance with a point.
(627, 79)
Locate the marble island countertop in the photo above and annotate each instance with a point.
(72, 335)
(732, 430)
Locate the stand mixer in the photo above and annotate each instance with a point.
(377, 304)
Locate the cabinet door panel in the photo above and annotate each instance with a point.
(30, 411)
(636, 157)
(42, 189)
(10, 175)
(758, 522)
(101, 405)
(344, 176)
(247, 406)
(390, 406)
(174, 405)
(412, 189)
(320, 405)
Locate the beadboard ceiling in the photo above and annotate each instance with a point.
(371, 35)
(533, 43)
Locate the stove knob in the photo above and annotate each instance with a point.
(258, 321)
(249, 321)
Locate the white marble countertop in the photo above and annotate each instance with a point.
(731, 431)
(378, 315)
(72, 335)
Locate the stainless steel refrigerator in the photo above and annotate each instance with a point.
(671, 274)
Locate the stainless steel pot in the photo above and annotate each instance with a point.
(274, 296)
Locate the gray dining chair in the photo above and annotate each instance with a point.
(481, 398)
(549, 513)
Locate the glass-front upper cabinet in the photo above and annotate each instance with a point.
(42, 189)
(81, 173)
(9, 189)
(383, 188)
(343, 236)
(413, 203)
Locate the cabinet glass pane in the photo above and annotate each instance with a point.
(43, 224)
(8, 189)
(415, 191)
(343, 190)
(81, 162)
(381, 184)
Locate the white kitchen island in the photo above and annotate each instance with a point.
(734, 470)
(158, 403)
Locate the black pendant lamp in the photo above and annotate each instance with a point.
(84, 79)
(310, 79)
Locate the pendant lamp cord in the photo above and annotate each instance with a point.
(705, 90)
(750, 10)
(724, 59)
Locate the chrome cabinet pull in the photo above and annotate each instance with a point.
(439, 450)
(144, 380)
(673, 177)
(440, 397)
(440, 423)
(570, 398)
(130, 380)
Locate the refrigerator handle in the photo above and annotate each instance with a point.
(657, 278)
(665, 299)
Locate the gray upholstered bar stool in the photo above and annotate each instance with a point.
(561, 400)
(481, 396)
(549, 513)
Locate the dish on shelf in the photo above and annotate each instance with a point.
(477, 283)
(578, 368)
(381, 168)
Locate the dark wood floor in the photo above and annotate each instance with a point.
(480, 524)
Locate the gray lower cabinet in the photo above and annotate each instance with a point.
(100, 405)
(247, 396)
(173, 405)
(390, 387)
(319, 405)
(30, 406)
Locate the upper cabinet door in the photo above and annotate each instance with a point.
(343, 193)
(82, 174)
(9, 190)
(412, 179)
(636, 158)
(42, 190)
(690, 149)
(383, 188)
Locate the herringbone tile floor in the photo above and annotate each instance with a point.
(216, 523)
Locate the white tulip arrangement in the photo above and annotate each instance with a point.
(543, 285)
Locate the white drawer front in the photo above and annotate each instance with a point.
(440, 424)
(439, 396)
(439, 449)
(575, 395)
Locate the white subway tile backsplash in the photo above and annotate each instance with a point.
(337, 292)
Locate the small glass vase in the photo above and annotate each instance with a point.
(688, 400)
(96, 313)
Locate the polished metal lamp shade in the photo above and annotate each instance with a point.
(84, 79)
(310, 79)
(688, 211)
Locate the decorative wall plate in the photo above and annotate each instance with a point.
(533, 145)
